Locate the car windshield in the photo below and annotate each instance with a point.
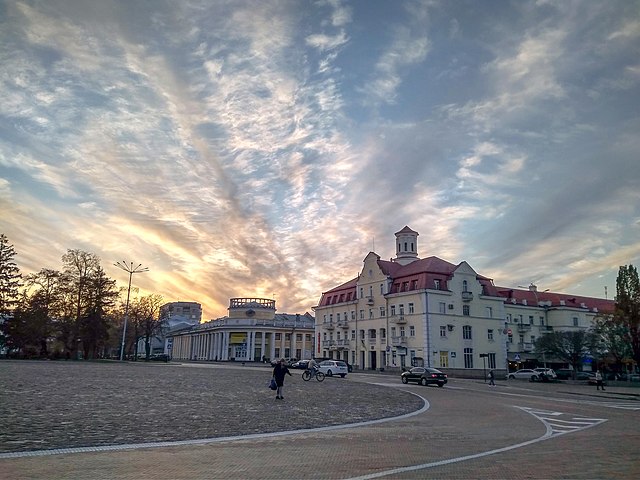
(341, 364)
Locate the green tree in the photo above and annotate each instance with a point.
(614, 342)
(570, 346)
(627, 312)
(10, 278)
(94, 325)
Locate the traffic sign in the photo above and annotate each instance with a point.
(517, 357)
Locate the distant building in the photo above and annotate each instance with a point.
(409, 310)
(173, 316)
(251, 331)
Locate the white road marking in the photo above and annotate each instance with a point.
(574, 425)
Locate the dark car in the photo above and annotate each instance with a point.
(424, 376)
(301, 364)
(159, 357)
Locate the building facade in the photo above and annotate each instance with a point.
(409, 311)
(251, 332)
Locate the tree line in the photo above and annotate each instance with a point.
(74, 312)
(613, 341)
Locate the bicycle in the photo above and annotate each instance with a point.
(306, 375)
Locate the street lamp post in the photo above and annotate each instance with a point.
(130, 269)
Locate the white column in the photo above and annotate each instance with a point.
(262, 345)
(225, 346)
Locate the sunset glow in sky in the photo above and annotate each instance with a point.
(259, 148)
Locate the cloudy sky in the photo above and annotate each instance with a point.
(263, 148)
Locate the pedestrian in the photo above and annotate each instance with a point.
(599, 382)
(492, 377)
(279, 371)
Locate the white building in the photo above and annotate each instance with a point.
(251, 331)
(410, 310)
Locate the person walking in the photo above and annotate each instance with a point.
(279, 371)
(492, 377)
(599, 382)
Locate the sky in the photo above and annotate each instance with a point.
(263, 148)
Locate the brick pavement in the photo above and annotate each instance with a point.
(465, 418)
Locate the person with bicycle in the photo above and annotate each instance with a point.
(312, 366)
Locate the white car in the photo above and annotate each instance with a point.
(548, 372)
(333, 367)
(524, 374)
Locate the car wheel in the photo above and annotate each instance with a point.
(329, 373)
(512, 377)
(534, 378)
(404, 380)
(342, 375)
(423, 381)
(440, 384)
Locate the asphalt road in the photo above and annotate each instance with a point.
(467, 429)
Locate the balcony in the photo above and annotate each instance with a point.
(546, 329)
(399, 319)
(342, 344)
(328, 343)
(372, 341)
(329, 325)
(400, 341)
(370, 301)
(467, 296)
(524, 327)
(343, 324)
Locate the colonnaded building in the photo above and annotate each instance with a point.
(428, 311)
(252, 331)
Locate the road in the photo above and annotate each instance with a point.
(467, 429)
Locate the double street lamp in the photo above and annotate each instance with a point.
(130, 269)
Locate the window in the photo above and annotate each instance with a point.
(533, 339)
(491, 360)
(542, 321)
(401, 306)
(353, 314)
(575, 321)
(371, 313)
(466, 332)
(468, 358)
(412, 331)
(353, 334)
(348, 296)
(402, 331)
(442, 307)
(490, 334)
(510, 337)
(393, 331)
(361, 334)
(383, 312)
(521, 338)
(278, 336)
(298, 337)
(337, 317)
(383, 333)
(465, 310)
(490, 312)
(287, 337)
(361, 292)
(331, 318)
(465, 286)
(443, 331)
(361, 314)
(530, 319)
(393, 310)
(411, 308)
(372, 333)
(382, 289)
(415, 285)
(324, 320)
(405, 286)
(508, 317)
(308, 337)
(371, 291)
(337, 335)
(436, 284)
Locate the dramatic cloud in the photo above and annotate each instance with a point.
(262, 148)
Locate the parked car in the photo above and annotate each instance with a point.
(564, 373)
(524, 374)
(584, 375)
(159, 357)
(333, 367)
(301, 364)
(287, 361)
(424, 376)
(546, 374)
(322, 359)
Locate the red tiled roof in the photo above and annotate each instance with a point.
(575, 301)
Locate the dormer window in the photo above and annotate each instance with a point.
(437, 284)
